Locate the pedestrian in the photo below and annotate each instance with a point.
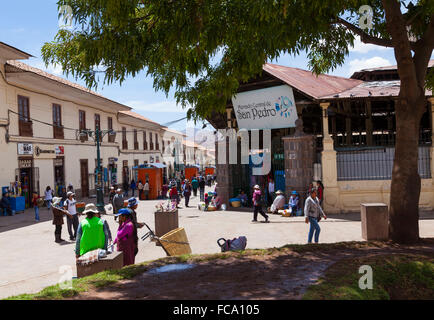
(58, 213)
(132, 206)
(70, 188)
(48, 197)
(126, 187)
(92, 232)
(270, 196)
(173, 194)
(133, 187)
(257, 204)
(202, 188)
(63, 196)
(164, 190)
(126, 238)
(187, 192)
(146, 190)
(118, 201)
(5, 203)
(140, 188)
(72, 220)
(35, 198)
(112, 194)
(195, 186)
(313, 213)
(179, 186)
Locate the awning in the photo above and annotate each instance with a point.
(158, 165)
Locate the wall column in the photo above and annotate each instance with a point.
(431, 101)
(329, 167)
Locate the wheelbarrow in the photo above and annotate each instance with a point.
(173, 243)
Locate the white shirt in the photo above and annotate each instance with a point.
(49, 195)
(146, 187)
(71, 206)
(271, 187)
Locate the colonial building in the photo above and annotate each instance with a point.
(42, 118)
(346, 138)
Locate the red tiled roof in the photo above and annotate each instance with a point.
(137, 116)
(310, 84)
(13, 66)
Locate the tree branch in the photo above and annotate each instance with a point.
(364, 37)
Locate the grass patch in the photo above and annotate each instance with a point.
(395, 277)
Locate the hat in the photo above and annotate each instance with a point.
(112, 188)
(294, 192)
(123, 211)
(56, 200)
(132, 202)
(69, 194)
(279, 192)
(90, 207)
(256, 187)
(118, 190)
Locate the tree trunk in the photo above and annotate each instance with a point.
(406, 184)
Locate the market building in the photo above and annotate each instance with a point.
(346, 138)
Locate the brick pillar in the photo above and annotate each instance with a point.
(329, 167)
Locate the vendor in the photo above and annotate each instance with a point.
(278, 203)
(243, 198)
(127, 239)
(216, 201)
(294, 204)
(92, 233)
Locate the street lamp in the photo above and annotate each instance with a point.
(97, 135)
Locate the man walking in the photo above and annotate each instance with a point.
(146, 190)
(187, 192)
(72, 220)
(118, 201)
(195, 186)
(313, 213)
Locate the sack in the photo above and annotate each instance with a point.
(235, 244)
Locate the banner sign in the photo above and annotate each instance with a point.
(60, 150)
(45, 152)
(269, 108)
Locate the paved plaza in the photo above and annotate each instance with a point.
(30, 259)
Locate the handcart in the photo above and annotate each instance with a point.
(174, 243)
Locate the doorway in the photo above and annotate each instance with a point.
(84, 174)
(59, 175)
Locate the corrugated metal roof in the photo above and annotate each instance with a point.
(309, 83)
(395, 67)
(372, 89)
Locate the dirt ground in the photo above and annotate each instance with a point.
(283, 275)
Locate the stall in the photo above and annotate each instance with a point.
(210, 170)
(153, 173)
(191, 171)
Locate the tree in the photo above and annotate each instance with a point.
(221, 43)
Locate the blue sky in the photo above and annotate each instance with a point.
(28, 24)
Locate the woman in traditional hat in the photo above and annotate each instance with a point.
(92, 233)
(257, 205)
(127, 239)
(278, 203)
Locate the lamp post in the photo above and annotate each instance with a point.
(97, 135)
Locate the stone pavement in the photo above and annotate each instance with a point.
(30, 259)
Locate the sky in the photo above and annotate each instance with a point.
(28, 24)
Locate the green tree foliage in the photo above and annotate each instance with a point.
(203, 49)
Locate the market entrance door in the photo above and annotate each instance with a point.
(84, 173)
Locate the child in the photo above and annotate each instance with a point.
(35, 198)
(206, 201)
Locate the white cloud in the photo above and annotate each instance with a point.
(375, 62)
(163, 106)
(361, 47)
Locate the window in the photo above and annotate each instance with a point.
(25, 125)
(150, 141)
(157, 146)
(124, 139)
(111, 137)
(57, 122)
(136, 141)
(145, 142)
(98, 124)
(82, 123)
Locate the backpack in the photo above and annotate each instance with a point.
(235, 244)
